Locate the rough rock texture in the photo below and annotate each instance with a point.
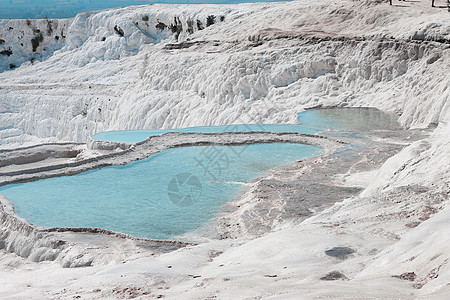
(263, 63)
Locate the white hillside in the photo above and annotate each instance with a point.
(30, 40)
(161, 66)
(263, 62)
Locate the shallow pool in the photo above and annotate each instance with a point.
(310, 121)
(134, 136)
(36, 9)
(177, 190)
(168, 194)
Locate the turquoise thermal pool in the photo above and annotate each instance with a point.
(173, 192)
(177, 190)
(310, 122)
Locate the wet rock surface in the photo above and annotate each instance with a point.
(340, 252)
(410, 276)
(304, 188)
(334, 275)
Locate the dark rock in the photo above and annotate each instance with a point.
(119, 30)
(176, 28)
(340, 252)
(6, 52)
(418, 285)
(190, 24)
(210, 20)
(334, 275)
(60, 243)
(410, 276)
(49, 27)
(160, 26)
(412, 224)
(35, 41)
(182, 45)
(200, 25)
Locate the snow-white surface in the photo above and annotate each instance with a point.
(262, 63)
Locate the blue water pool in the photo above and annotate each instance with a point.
(177, 190)
(35, 9)
(134, 136)
(310, 121)
(171, 193)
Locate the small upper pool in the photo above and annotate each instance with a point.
(310, 122)
(134, 136)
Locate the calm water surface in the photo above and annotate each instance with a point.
(310, 122)
(168, 194)
(177, 190)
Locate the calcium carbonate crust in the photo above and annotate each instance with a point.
(260, 63)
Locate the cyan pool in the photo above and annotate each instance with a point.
(134, 136)
(173, 192)
(177, 190)
(310, 121)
